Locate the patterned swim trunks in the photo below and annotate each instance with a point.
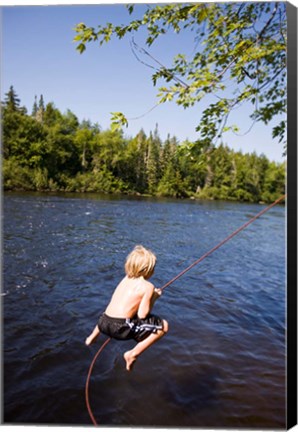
(129, 328)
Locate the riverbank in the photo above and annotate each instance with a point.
(55, 152)
(206, 196)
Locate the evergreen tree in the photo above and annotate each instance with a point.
(222, 167)
(52, 116)
(69, 123)
(141, 160)
(41, 109)
(41, 103)
(34, 108)
(135, 161)
(168, 152)
(153, 161)
(11, 101)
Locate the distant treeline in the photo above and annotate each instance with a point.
(50, 151)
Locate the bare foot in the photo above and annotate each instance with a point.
(90, 340)
(130, 360)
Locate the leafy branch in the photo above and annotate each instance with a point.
(243, 45)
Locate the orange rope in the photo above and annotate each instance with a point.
(169, 283)
(88, 380)
(224, 241)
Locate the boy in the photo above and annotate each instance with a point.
(128, 313)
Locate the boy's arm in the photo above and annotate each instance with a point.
(156, 294)
(145, 304)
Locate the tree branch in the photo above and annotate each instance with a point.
(132, 46)
(260, 35)
(162, 67)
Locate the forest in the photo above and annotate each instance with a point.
(50, 151)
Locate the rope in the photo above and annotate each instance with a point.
(169, 283)
(88, 380)
(223, 241)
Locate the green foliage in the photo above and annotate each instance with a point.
(101, 181)
(35, 107)
(171, 183)
(16, 176)
(61, 154)
(239, 56)
(11, 101)
(117, 121)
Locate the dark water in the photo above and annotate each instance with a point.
(221, 365)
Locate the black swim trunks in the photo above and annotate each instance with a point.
(129, 328)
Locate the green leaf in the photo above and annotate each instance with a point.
(130, 8)
(81, 48)
(118, 120)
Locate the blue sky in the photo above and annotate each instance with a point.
(39, 57)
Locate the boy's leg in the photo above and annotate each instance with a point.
(93, 336)
(131, 356)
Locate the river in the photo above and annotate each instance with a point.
(222, 363)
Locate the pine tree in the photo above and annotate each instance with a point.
(41, 110)
(34, 108)
(141, 160)
(153, 161)
(41, 103)
(12, 102)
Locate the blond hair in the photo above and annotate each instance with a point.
(140, 262)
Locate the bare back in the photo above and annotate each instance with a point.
(130, 296)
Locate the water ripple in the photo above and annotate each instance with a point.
(222, 364)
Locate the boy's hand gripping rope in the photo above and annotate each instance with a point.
(169, 283)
